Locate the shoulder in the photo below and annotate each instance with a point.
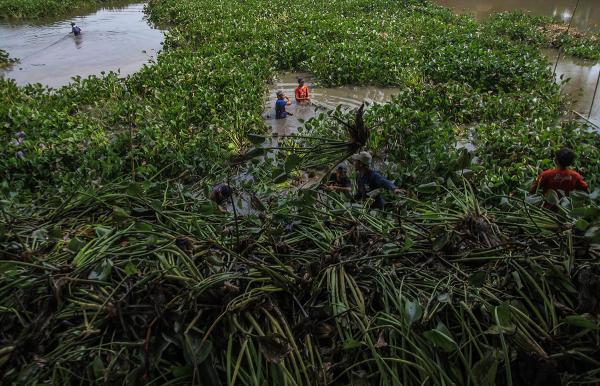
(548, 173)
(576, 175)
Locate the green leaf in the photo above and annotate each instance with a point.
(143, 226)
(257, 139)
(76, 244)
(431, 187)
(441, 240)
(102, 231)
(477, 279)
(351, 344)
(280, 178)
(135, 190)
(130, 268)
(98, 367)
(102, 272)
(412, 312)
(291, 162)
(485, 370)
(441, 337)
(253, 153)
(119, 212)
(40, 235)
(581, 321)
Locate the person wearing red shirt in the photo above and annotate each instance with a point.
(302, 92)
(562, 178)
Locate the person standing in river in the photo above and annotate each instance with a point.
(368, 180)
(301, 92)
(75, 29)
(280, 105)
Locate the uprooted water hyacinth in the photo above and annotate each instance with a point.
(117, 268)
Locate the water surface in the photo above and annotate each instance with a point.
(115, 38)
(583, 74)
(587, 15)
(322, 99)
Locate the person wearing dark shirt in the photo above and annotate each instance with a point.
(561, 179)
(280, 105)
(75, 29)
(367, 180)
(220, 193)
(339, 181)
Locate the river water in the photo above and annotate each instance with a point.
(583, 74)
(114, 38)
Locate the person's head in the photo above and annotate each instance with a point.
(341, 171)
(564, 158)
(300, 82)
(362, 160)
(72, 24)
(280, 94)
(221, 193)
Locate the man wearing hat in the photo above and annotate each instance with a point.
(75, 29)
(339, 181)
(302, 92)
(280, 104)
(368, 180)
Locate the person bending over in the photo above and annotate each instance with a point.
(562, 178)
(368, 180)
(339, 180)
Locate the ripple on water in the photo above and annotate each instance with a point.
(113, 39)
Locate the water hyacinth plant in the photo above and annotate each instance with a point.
(117, 268)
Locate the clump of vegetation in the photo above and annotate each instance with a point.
(546, 32)
(33, 9)
(5, 59)
(117, 268)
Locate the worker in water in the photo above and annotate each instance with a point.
(221, 193)
(339, 180)
(280, 105)
(302, 96)
(562, 179)
(368, 180)
(75, 29)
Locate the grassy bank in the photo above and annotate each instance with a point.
(116, 268)
(546, 32)
(35, 9)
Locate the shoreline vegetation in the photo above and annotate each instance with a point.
(116, 268)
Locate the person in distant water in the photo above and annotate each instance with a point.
(562, 179)
(302, 96)
(339, 180)
(280, 105)
(75, 29)
(368, 180)
(221, 193)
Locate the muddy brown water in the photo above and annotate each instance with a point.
(322, 100)
(583, 74)
(116, 38)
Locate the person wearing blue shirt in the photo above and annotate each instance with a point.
(280, 105)
(367, 180)
(75, 29)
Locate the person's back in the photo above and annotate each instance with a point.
(280, 109)
(75, 29)
(561, 178)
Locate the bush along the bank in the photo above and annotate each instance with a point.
(116, 268)
(546, 32)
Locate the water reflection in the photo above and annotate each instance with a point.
(116, 38)
(587, 16)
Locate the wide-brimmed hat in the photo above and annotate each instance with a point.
(364, 157)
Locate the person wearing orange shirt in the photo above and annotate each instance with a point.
(302, 92)
(562, 178)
